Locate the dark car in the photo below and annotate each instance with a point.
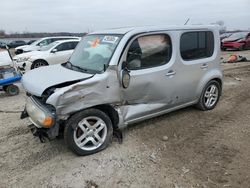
(30, 42)
(2, 45)
(16, 43)
(237, 41)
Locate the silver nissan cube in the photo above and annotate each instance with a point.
(122, 76)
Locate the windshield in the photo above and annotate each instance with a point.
(237, 35)
(94, 52)
(48, 47)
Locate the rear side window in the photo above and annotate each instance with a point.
(66, 46)
(197, 45)
(149, 51)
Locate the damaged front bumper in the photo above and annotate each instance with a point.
(44, 124)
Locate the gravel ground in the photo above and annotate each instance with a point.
(186, 148)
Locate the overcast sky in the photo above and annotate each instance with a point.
(90, 15)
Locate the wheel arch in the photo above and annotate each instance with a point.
(43, 60)
(109, 110)
(211, 75)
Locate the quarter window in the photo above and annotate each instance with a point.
(149, 51)
(197, 45)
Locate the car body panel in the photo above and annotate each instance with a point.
(38, 80)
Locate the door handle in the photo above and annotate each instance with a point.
(203, 66)
(171, 73)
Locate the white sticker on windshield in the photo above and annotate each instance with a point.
(110, 39)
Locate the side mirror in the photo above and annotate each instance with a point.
(54, 51)
(125, 78)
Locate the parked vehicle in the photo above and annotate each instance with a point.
(237, 41)
(40, 43)
(16, 43)
(54, 53)
(2, 44)
(30, 42)
(225, 35)
(119, 77)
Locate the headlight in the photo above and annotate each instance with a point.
(22, 59)
(39, 116)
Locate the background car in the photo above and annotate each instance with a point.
(36, 45)
(237, 41)
(2, 44)
(16, 43)
(54, 53)
(30, 42)
(225, 35)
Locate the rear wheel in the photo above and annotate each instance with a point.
(38, 63)
(242, 48)
(88, 132)
(210, 96)
(12, 90)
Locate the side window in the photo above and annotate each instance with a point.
(45, 42)
(197, 45)
(62, 47)
(72, 45)
(149, 51)
(66, 46)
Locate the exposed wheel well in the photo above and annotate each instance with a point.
(111, 112)
(218, 80)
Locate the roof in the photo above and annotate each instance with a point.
(125, 30)
(69, 40)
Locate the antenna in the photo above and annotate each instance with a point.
(187, 21)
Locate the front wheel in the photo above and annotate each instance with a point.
(88, 132)
(38, 63)
(210, 96)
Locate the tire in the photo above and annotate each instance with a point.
(38, 63)
(12, 90)
(5, 88)
(209, 94)
(19, 51)
(241, 48)
(92, 136)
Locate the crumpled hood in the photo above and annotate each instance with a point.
(28, 48)
(29, 54)
(38, 80)
(21, 47)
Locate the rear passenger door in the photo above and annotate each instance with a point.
(196, 57)
(63, 53)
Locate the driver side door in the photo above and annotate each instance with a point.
(152, 86)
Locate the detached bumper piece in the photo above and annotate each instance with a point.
(44, 134)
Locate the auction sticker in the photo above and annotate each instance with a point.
(110, 39)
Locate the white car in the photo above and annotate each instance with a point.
(54, 53)
(38, 44)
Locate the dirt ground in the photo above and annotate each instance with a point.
(200, 149)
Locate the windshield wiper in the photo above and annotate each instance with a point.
(78, 67)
